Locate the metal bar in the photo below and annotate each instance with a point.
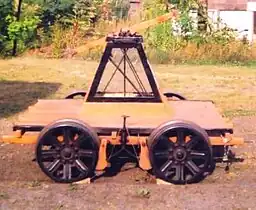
(133, 138)
(148, 72)
(132, 131)
(124, 72)
(126, 99)
(99, 73)
(125, 76)
(135, 74)
(113, 75)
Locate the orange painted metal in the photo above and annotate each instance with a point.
(102, 162)
(31, 138)
(144, 161)
(102, 159)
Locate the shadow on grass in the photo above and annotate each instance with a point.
(16, 96)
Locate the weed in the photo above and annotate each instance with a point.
(72, 187)
(34, 183)
(4, 195)
(143, 193)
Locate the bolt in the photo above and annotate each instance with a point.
(58, 155)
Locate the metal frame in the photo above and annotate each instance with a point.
(107, 131)
(106, 57)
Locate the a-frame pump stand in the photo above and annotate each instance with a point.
(125, 41)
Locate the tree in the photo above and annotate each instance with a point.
(6, 8)
(52, 10)
(18, 13)
(88, 11)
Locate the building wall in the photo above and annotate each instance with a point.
(135, 6)
(228, 4)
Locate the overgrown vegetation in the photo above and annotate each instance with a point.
(189, 40)
(56, 28)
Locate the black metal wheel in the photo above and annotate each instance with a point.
(180, 152)
(75, 94)
(174, 95)
(67, 151)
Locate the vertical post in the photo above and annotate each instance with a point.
(18, 13)
(125, 71)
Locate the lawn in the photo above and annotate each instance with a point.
(24, 80)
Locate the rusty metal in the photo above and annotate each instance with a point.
(106, 114)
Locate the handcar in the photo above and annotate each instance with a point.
(125, 115)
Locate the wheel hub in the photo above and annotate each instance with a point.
(180, 154)
(67, 153)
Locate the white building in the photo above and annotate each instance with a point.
(236, 14)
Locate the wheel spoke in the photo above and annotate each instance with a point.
(80, 138)
(86, 153)
(180, 172)
(166, 142)
(193, 168)
(198, 154)
(161, 154)
(166, 165)
(66, 135)
(55, 142)
(81, 166)
(47, 154)
(54, 166)
(192, 143)
(67, 171)
(180, 136)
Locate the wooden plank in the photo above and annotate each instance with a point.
(142, 115)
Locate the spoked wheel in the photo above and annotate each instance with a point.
(180, 152)
(67, 151)
(174, 95)
(76, 94)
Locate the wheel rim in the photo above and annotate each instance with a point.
(180, 155)
(174, 95)
(67, 153)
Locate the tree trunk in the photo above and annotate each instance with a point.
(18, 13)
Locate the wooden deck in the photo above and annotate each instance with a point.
(142, 115)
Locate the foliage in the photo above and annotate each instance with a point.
(6, 7)
(51, 10)
(182, 40)
(22, 29)
(61, 25)
(87, 10)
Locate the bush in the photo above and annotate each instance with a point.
(165, 44)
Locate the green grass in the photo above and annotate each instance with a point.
(24, 80)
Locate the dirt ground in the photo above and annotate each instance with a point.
(24, 186)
